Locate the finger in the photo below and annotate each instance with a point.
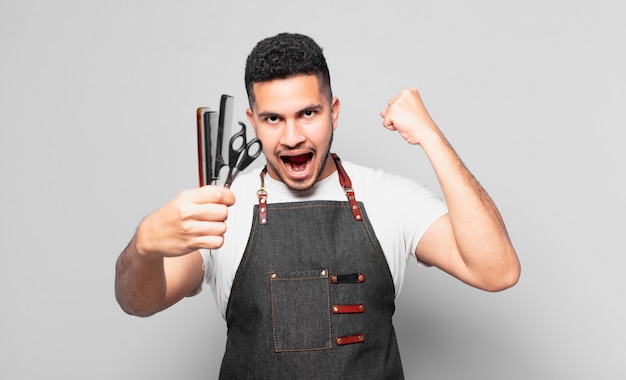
(209, 242)
(198, 228)
(386, 114)
(211, 212)
(213, 238)
(204, 212)
(197, 234)
(211, 194)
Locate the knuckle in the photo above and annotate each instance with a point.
(220, 212)
(186, 228)
(221, 228)
(185, 211)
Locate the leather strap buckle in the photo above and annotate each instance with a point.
(262, 195)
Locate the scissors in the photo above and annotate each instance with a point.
(240, 158)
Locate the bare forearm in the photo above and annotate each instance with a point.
(479, 230)
(140, 284)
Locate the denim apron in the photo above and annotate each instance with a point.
(313, 297)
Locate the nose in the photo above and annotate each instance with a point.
(292, 134)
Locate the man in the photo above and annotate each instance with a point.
(307, 274)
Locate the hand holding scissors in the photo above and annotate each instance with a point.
(240, 158)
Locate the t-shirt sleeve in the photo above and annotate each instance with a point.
(424, 208)
(207, 265)
(419, 207)
(402, 209)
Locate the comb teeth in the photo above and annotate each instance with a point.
(224, 132)
(212, 144)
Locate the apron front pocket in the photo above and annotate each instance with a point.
(301, 311)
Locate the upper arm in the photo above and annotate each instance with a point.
(183, 276)
(486, 267)
(438, 248)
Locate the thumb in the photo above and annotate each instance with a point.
(213, 194)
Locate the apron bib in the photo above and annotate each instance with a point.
(313, 297)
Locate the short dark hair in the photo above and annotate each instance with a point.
(284, 56)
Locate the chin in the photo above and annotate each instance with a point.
(300, 185)
(294, 183)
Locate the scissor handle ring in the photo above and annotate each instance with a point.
(233, 154)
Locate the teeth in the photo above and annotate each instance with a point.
(297, 164)
(297, 168)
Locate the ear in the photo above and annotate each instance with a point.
(334, 111)
(250, 117)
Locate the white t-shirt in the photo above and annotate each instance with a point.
(400, 211)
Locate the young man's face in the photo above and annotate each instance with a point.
(295, 122)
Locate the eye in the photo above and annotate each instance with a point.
(308, 114)
(273, 119)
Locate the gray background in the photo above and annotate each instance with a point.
(97, 129)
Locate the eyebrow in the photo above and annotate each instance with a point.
(312, 107)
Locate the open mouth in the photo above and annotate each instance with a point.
(297, 164)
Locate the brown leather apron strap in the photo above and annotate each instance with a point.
(262, 195)
(346, 183)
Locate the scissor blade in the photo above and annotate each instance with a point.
(211, 145)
